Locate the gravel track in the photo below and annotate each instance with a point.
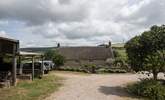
(94, 87)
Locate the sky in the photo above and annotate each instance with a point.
(38, 23)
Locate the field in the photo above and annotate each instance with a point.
(118, 45)
(119, 48)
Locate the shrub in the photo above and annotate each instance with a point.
(121, 59)
(69, 68)
(59, 60)
(89, 68)
(154, 90)
(55, 57)
(116, 53)
(121, 62)
(92, 69)
(108, 70)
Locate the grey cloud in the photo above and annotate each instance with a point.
(153, 13)
(35, 12)
(148, 14)
(84, 21)
(64, 1)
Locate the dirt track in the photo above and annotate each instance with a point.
(94, 87)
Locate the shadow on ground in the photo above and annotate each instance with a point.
(116, 90)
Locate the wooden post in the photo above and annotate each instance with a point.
(20, 65)
(42, 66)
(32, 67)
(14, 66)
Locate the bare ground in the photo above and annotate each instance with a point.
(94, 87)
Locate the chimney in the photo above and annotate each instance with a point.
(58, 45)
(109, 44)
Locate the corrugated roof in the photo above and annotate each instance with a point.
(8, 39)
(29, 54)
(8, 46)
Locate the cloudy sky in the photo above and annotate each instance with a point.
(77, 22)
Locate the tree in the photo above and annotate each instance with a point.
(49, 54)
(147, 51)
(58, 59)
(55, 57)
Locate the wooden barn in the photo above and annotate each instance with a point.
(9, 49)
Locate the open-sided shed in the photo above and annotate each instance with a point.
(9, 48)
(32, 57)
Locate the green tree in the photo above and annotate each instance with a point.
(49, 54)
(55, 57)
(147, 51)
(58, 59)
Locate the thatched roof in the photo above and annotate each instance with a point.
(85, 53)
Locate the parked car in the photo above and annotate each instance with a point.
(46, 67)
(26, 68)
(48, 64)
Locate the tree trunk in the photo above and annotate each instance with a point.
(155, 75)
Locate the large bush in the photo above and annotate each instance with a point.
(55, 57)
(89, 68)
(147, 51)
(152, 89)
(121, 59)
(120, 63)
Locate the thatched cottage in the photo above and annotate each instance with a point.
(77, 56)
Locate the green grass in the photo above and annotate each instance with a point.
(118, 45)
(122, 52)
(36, 90)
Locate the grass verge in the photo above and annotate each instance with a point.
(36, 90)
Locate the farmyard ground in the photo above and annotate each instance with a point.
(94, 87)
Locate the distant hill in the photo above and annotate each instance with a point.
(37, 49)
